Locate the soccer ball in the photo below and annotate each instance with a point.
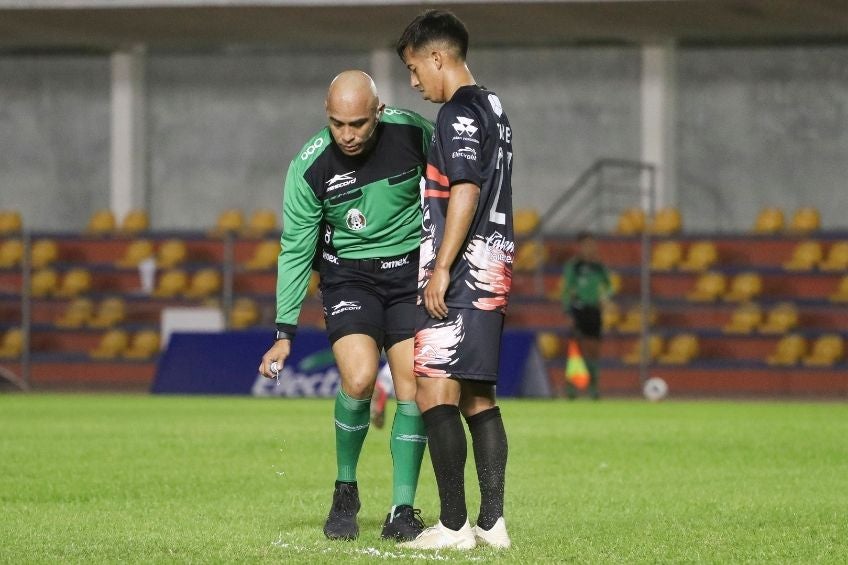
(655, 389)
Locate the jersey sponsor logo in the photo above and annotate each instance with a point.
(330, 257)
(464, 126)
(468, 153)
(345, 306)
(395, 263)
(500, 248)
(309, 151)
(338, 181)
(495, 102)
(355, 219)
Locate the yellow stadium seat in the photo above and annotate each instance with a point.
(111, 312)
(744, 287)
(136, 221)
(144, 345)
(171, 253)
(43, 253)
(631, 222)
(788, 351)
(12, 344)
(841, 294)
(77, 314)
(75, 282)
(667, 221)
(171, 283)
(44, 283)
(681, 350)
(631, 322)
(708, 287)
(314, 282)
(10, 222)
(265, 256)
(744, 319)
(11, 253)
(530, 256)
(701, 256)
(102, 222)
(666, 255)
(615, 282)
(780, 319)
(826, 351)
(805, 220)
(244, 313)
(261, 223)
(230, 221)
(805, 256)
(135, 253)
(548, 344)
(634, 356)
(769, 221)
(112, 344)
(204, 283)
(525, 221)
(610, 315)
(837, 258)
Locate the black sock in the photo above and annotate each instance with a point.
(448, 451)
(490, 450)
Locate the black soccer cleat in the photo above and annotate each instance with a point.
(341, 523)
(403, 523)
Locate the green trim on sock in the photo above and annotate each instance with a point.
(408, 441)
(352, 418)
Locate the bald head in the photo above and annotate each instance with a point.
(353, 110)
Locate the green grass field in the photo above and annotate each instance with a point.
(102, 478)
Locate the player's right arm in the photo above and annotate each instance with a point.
(302, 214)
(568, 285)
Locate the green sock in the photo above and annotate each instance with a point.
(352, 420)
(592, 366)
(407, 443)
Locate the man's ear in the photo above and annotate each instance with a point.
(438, 59)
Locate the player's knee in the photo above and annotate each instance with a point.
(358, 386)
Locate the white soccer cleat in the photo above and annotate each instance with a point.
(496, 537)
(442, 537)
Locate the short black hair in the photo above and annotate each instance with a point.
(434, 25)
(584, 235)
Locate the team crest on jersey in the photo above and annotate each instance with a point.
(464, 126)
(355, 219)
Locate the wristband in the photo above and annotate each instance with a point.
(283, 335)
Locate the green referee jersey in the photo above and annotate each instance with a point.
(362, 207)
(587, 283)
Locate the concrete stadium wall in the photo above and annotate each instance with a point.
(755, 126)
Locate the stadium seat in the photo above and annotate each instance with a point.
(11, 253)
(826, 351)
(525, 221)
(44, 252)
(634, 356)
(615, 282)
(681, 349)
(805, 220)
(805, 256)
(76, 314)
(666, 255)
(631, 222)
(244, 313)
(75, 282)
(837, 258)
(549, 345)
(204, 283)
(261, 223)
(10, 222)
(841, 294)
(264, 256)
(44, 283)
(744, 287)
(230, 221)
(667, 221)
(744, 320)
(136, 221)
(632, 320)
(769, 221)
(12, 344)
(171, 283)
(610, 316)
(788, 351)
(111, 312)
(708, 287)
(102, 222)
(112, 344)
(530, 256)
(135, 253)
(701, 256)
(780, 319)
(171, 253)
(144, 345)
